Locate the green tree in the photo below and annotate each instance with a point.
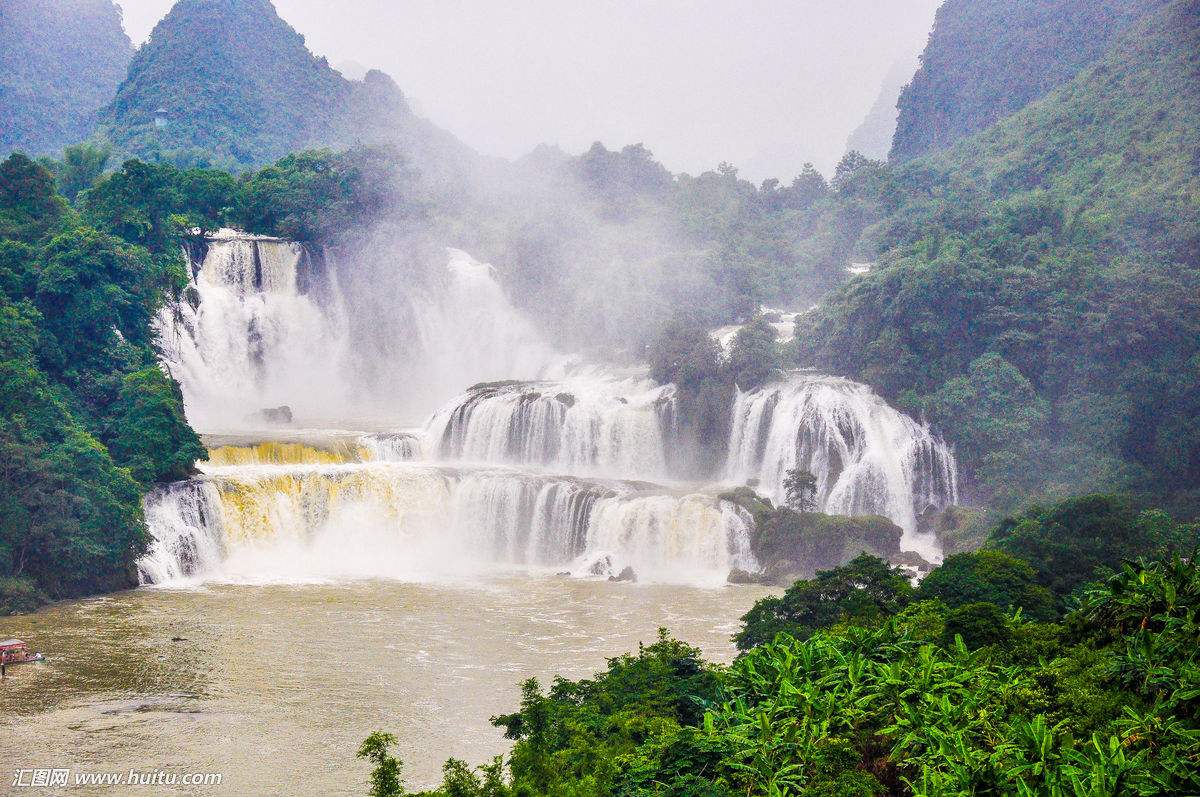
(863, 592)
(995, 417)
(800, 489)
(992, 577)
(92, 287)
(754, 354)
(78, 387)
(979, 623)
(150, 436)
(81, 166)
(1068, 542)
(323, 196)
(385, 777)
(141, 203)
(30, 208)
(685, 354)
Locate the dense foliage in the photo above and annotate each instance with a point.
(312, 196)
(1038, 293)
(706, 377)
(855, 683)
(60, 63)
(987, 59)
(88, 421)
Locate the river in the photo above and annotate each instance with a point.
(275, 686)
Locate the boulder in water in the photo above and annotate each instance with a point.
(566, 398)
(738, 576)
(192, 296)
(626, 574)
(278, 416)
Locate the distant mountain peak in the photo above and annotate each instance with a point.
(242, 89)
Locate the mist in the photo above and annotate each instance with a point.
(767, 86)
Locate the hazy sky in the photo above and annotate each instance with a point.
(764, 84)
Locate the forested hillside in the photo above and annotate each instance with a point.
(60, 63)
(88, 420)
(1038, 297)
(609, 247)
(228, 83)
(986, 59)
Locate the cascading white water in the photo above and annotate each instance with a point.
(246, 338)
(589, 424)
(185, 522)
(867, 457)
(299, 523)
(392, 446)
(265, 323)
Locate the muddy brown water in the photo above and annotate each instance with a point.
(275, 686)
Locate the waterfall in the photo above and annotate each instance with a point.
(314, 522)
(185, 524)
(868, 458)
(314, 448)
(246, 337)
(535, 471)
(594, 424)
(392, 446)
(268, 323)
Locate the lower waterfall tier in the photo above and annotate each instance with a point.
(318, 522)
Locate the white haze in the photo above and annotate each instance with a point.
(766, 85)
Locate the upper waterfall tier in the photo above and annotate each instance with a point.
(868, 458)
(269, 323)
(315, 522)
(593, 424)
